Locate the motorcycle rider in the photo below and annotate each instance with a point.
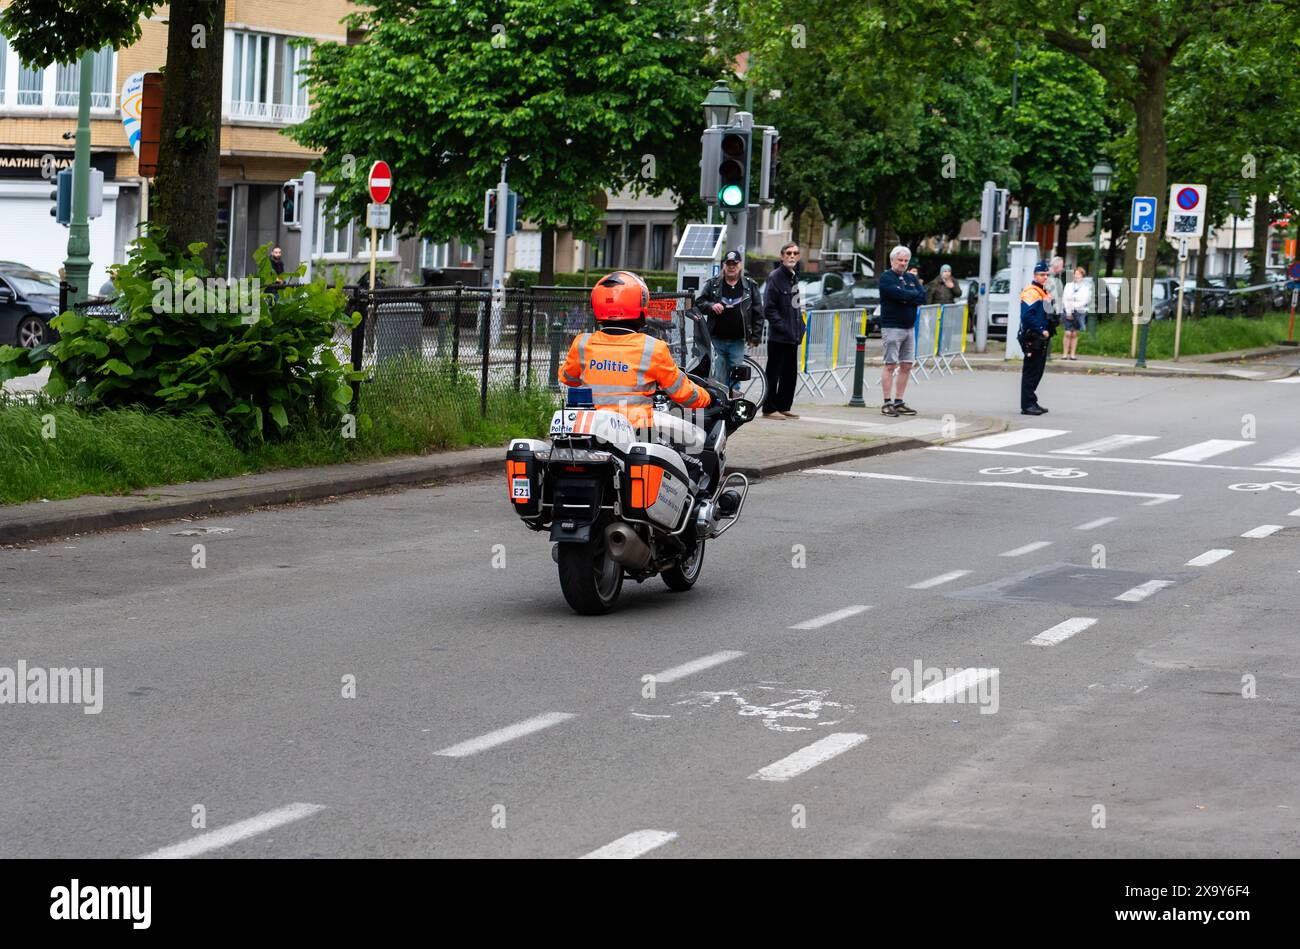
(622, 364)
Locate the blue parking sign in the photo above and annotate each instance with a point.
(1143, 217)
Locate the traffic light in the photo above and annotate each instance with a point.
(291, 203)
(490, 211)
(62, 198)
(771, 165)
(733, 169)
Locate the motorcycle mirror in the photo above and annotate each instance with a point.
(742, 410)
(741, 373)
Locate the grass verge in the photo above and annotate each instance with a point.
(1211, 334)
(55, 449)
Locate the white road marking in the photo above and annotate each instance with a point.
(1102, 445)
(1143, 590)
(632, 845)
(1264, 530)
(1017, 436)
(1027, 549)
(805, 759)
(840, 421)
(1062, 631)
(1289, 381)
(1099, 522)
(1202, 450)
(240, 830)
(1295, 513)
(697, 665)
(1290, 460)
(958, 682)
(1155, 498)
(828, 618)
(1122, 461)
(1209, 557)
(502, 735)
(939, 580)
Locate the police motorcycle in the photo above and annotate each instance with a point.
(620, 502)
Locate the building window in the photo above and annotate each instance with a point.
(434, 256)
(387, 247)
(659, 249)
(265, 81)
(333, 239)
(67, 82)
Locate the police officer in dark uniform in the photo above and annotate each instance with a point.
(1035, 338)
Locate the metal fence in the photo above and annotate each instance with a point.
(469, 343)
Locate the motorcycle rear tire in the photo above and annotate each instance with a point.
(682, 575)
(589, 579)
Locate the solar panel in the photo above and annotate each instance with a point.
(700, 242)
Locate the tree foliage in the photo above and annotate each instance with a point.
(577, 97)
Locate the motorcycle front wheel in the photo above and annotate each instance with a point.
(590, 579)
(682, 575)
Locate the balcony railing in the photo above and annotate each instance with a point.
(281, 113)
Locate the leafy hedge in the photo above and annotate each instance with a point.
(272, 361)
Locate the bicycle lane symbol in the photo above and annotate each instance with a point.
(1284, 486)
(1042, 471)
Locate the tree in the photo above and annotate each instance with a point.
(575, 97)
(185, 192)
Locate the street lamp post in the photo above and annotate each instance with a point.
(1234, 202)
(1101, 175)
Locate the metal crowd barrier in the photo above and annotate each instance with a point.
(827, 351)
(941, 337)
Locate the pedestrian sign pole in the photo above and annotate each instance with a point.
(1142, 221)
(1182, 279)
(381, 186)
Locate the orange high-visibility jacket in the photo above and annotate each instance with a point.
(623, 370)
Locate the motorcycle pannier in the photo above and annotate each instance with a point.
(524, 477)
(655, 486)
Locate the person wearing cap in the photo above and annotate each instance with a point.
(729, 304)
(943, 288)
(1035, 338)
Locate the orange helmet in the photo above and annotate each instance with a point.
(620, 296)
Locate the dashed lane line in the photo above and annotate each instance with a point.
(827, 618)
(807, 758)
(697, 665)
(1099, 522)
(502, 735)
(631, 846)
(941, 579)
(958, 683)
(240, 830)
(1027, 549)
(1143, 590)
(1264, 530)
(1062, 631)
(1209, 557)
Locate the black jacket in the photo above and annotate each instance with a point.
(899, 298)
(784, 321)
(711, 293)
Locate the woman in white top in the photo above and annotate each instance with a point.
(1075, 302)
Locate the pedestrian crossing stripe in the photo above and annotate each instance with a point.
(1188, 455)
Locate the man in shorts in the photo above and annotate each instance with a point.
(900, 294)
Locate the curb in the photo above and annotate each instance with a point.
(1086, 369)
(47, 521)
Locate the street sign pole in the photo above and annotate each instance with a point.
(496, 314)
(987, 227)
(77, 266)
(381, 186)
(1182, 278)
(1139, 349)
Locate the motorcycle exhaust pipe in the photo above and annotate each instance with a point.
(626, 547)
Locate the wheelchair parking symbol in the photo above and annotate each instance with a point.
(1143, 218)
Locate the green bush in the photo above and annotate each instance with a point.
(187, 347)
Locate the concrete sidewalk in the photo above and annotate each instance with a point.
(765, 447)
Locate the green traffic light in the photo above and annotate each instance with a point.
(731, 196)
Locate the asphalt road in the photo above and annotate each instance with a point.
(786, 717)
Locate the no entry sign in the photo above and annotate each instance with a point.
(381, 182)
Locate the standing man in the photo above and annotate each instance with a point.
(900, 294)
(729, 304)
(1035, 338)
(785, 328)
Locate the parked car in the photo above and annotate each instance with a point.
(999, 300)
(825, 290)
(1164, 298)
(866, 293)
(28, 301)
